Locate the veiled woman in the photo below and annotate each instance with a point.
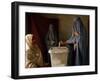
(79, 54)
(50, 40)
(33, 53)
(51, 37)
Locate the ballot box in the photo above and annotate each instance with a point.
(58, 56)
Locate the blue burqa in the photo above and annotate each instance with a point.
(80, 51)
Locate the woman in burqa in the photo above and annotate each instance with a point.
(33, 55)
(51, 37)
(79, 46)
(50, 40)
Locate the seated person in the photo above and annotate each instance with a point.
(33, 56)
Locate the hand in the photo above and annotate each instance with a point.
(65, 42)
(52, 42)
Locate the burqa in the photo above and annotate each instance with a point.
(50, 40)
(79, 55)
(51, 37)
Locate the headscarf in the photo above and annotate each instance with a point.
(28, 39)
(81, 40)
(33, 53)
(51, 37)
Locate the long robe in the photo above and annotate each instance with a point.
(50, 40)
(51, 37)
(33, 55)
(80, 51)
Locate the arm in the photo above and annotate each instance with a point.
(71, 40)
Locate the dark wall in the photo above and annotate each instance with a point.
(38, 25)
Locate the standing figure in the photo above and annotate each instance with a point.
(50, 40)
(51, 37)
(79, 42)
